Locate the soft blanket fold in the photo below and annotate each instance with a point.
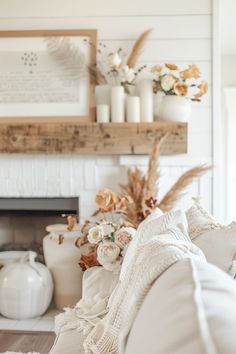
(151, 260)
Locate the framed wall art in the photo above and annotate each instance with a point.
(45, 75)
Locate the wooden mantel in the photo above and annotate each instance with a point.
(91, 138)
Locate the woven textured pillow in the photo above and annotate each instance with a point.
(155, 224)
(200, 220)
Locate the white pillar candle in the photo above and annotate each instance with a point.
(102, 94)
(133, 109)
(146, 103)
(103, 113)
(117, 104)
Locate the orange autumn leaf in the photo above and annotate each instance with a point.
(171, 66)
(89, 260)
(203, 88)
(192, 72)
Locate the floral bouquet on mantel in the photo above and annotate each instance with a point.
(117, 67)
(170, 80)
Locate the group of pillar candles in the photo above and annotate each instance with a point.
(113, 105)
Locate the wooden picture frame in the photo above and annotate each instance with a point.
(56, 85)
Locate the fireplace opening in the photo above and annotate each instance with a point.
(23, 221)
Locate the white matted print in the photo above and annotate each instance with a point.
(45, 74)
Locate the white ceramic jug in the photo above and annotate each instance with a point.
(26, 288)
(62, 259)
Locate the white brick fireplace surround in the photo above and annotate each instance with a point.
(69, 176)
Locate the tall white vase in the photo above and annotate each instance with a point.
(117, 104)
(62, 260)
(146, 100)
(175, 108)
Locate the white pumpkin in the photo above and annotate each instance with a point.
(26, 288)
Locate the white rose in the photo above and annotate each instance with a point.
(167, 82)
(108, 229)
(157, 71)
(113, 267)
(127, 74)
(95, 234)
(107, 252)
(124, 235)
(114, 60)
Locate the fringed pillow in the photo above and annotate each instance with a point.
(217, 241)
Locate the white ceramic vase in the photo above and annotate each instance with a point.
(62, 260)
(175, 109)
(26, 288)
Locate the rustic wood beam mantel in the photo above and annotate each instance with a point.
(91, 138)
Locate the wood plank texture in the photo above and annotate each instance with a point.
(93, 138)
(36, 8)
(26, 341)
(117, 28)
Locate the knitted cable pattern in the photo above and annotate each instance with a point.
(152, 259)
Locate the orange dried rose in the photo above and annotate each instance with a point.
(106, 200)
(192, 72)
(180, 89)
(172, 66)
(203, 87)
(89, 260)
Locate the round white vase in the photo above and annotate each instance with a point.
(175, 109)
(26, 288)
(62, 260)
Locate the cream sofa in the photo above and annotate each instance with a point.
(190, 309)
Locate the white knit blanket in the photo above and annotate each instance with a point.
(152, 259)
(19, 353)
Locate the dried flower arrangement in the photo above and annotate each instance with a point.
(170, 80)
(137, 199)
(118, 68)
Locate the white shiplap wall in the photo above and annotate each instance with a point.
(181, 34)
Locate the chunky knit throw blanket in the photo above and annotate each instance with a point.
(150, 261)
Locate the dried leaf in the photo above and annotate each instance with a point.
(80, 241)
(60, 239)
(153, 175)
(174, 194)
(89, 260)
(68, 54)
(72, 222)
(137, 49)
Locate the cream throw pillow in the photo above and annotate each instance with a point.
(218, 242)
(154, 224)
(219, 247)
(200, 220)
